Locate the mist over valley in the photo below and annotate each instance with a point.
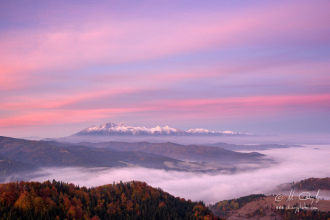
(198, 172)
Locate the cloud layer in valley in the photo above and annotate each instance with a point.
(294, 164)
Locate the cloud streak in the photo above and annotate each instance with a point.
(231, 57)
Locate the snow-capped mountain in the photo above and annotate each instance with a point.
(123, 129)
(203, 131)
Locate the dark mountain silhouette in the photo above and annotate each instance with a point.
(28, 155)
(44, 154)
(8, 167)
(41, 154)
(198, 153)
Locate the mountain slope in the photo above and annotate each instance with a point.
(312, 184)
(8, 167)
(36, 152)
(44, 154)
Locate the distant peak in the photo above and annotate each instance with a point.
(111, 124)
(111, 128)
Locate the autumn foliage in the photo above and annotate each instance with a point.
(313, 184)
(58, 200)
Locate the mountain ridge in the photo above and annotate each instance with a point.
(114, 129)
(47, 154)
(191, 152)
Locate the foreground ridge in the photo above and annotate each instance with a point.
(130, 200)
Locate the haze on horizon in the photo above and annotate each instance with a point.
(256, 67)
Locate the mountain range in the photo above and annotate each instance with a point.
(197, 153)
(52, 154)
(109, 129)
(19, 155)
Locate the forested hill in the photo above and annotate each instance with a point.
(226, 207)
(313, 184)
(58, 200)
(307, 184)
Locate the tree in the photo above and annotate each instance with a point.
(24, 202)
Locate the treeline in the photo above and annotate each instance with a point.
(224, 208)
(58, 200)
(313, 184)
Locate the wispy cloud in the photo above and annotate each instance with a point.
(260, 58)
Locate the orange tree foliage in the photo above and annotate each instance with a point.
(58, 200)
(313, 184)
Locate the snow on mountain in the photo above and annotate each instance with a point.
(199, 131)
(123, 129)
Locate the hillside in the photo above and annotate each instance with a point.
(310, 184)
(43, 154)
(226, 207)
(313, 184)
(36, 153)
(58, 200)
(271, 207)
(8, 167)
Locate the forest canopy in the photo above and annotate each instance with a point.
(130, 200)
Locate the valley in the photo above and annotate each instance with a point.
(167, 156)
(217, 174)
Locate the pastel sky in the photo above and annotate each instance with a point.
(247, 66)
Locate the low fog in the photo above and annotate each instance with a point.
(294, 164)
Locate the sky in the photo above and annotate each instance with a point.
(248, 66)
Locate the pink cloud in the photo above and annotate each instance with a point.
(123, 41)
(236, 107)
(64, 116)
(49, 101)
(44, 57)
(245, 107)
